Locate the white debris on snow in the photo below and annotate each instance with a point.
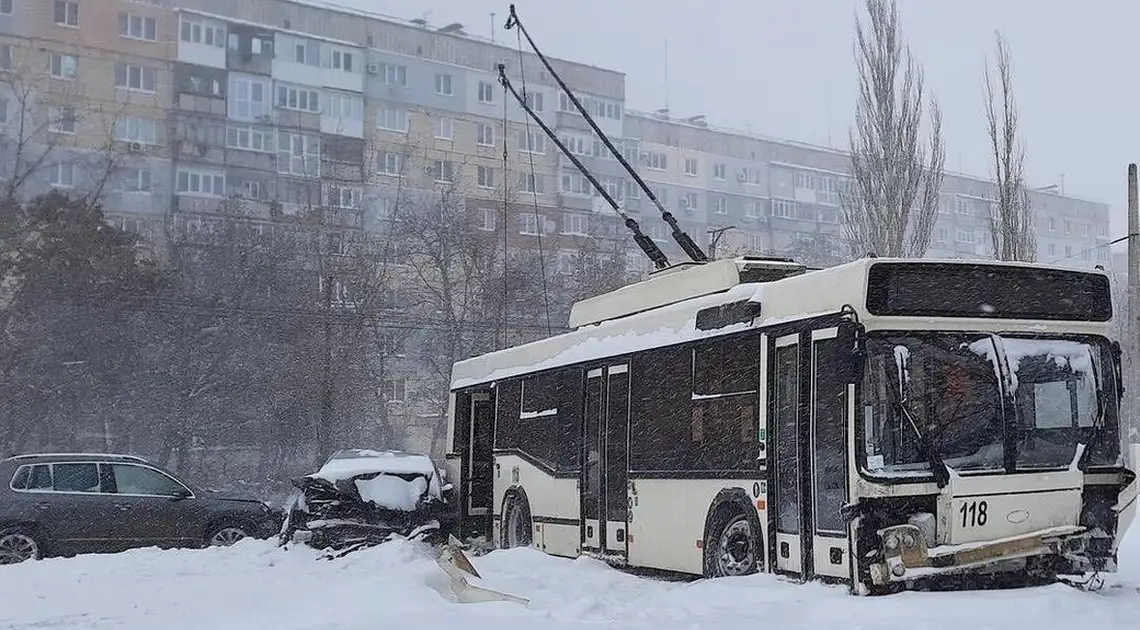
(255, 584)
(394, 493)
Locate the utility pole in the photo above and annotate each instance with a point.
(1131, 329)
(715, 234)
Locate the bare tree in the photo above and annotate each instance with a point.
(1011, 217)
(43, 110)
(891, 206)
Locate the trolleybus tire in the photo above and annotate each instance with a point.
(733, 544)
(516, 528)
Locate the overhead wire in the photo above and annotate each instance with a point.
(539, 221)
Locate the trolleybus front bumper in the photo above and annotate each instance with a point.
(905, 556)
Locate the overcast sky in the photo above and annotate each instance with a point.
(785, 68)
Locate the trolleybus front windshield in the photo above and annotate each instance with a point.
(979, 402)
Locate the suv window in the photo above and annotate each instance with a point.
(32, 477)
(76, 477)
(139, 480)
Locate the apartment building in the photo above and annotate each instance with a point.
(782, 197)
(182, 112)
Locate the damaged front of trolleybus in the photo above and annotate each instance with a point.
(987, 456)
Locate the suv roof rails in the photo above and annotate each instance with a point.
(134, 458)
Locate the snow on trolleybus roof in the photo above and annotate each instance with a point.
(663, 310)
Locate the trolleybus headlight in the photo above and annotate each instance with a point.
(892, 542)
(908, 540)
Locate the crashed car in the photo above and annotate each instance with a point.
(361, 498)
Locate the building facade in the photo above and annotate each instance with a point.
(782, 197)
(186, 113)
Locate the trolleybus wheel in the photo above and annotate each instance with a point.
(732, 546)
(517, 529)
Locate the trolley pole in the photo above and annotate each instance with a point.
(1132, 329)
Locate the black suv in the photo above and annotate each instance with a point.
(68, 504)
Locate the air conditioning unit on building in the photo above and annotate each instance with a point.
(135, 147)
(742, 176)
(373, 68)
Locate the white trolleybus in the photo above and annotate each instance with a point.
(885, 423)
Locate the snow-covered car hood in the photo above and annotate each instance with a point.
(388, 479)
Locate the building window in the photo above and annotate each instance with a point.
(392, 119)
(446, 128)
(396, 390)
(197, 32)
(486, 92)
(719, 171)
(67, 13)
(393, 74)
(485, 135)
(655, 161)
(532, 183)
(390, 163)
(443, 171)
(251, 99)
(720, 205)
(63, 120)
(1052, 224)
(132, 77)
(252, 189)
(1068, 226)
(200, 183)
(531, 142)
(962, 205)
(4, 105)
(534, 100)
(136, 129)
(691, 167)
(306, 52)
(346, 106)
(249, 139)
(443, 84)
(485, 176)
(489, 220)
(298, 99)
(62, 175)
(967, 237)
(64, 66)
(752, 209)
(1102, 230)
(690, 201)
(138, 27)
(578, 224)
(135, 180)
(343, 196)
(529, 223)
(340, 60)
(572, 183)
(1052, 249)
(298, 154)
(5, 7)
(784, 208)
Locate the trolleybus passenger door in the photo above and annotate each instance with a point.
(591, 481)
(605, 460)
(784, 382)
(616, 461)
(481, 460)
(828, 460)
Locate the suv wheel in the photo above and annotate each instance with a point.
(18, 545)
(226, 535)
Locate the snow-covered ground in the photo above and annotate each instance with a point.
(256, 585)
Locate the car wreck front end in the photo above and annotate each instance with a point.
(361, 498)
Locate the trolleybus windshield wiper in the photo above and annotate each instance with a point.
(691, 249)
(644, 242)
(925, 444)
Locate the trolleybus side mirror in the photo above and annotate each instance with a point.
(851, 362)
